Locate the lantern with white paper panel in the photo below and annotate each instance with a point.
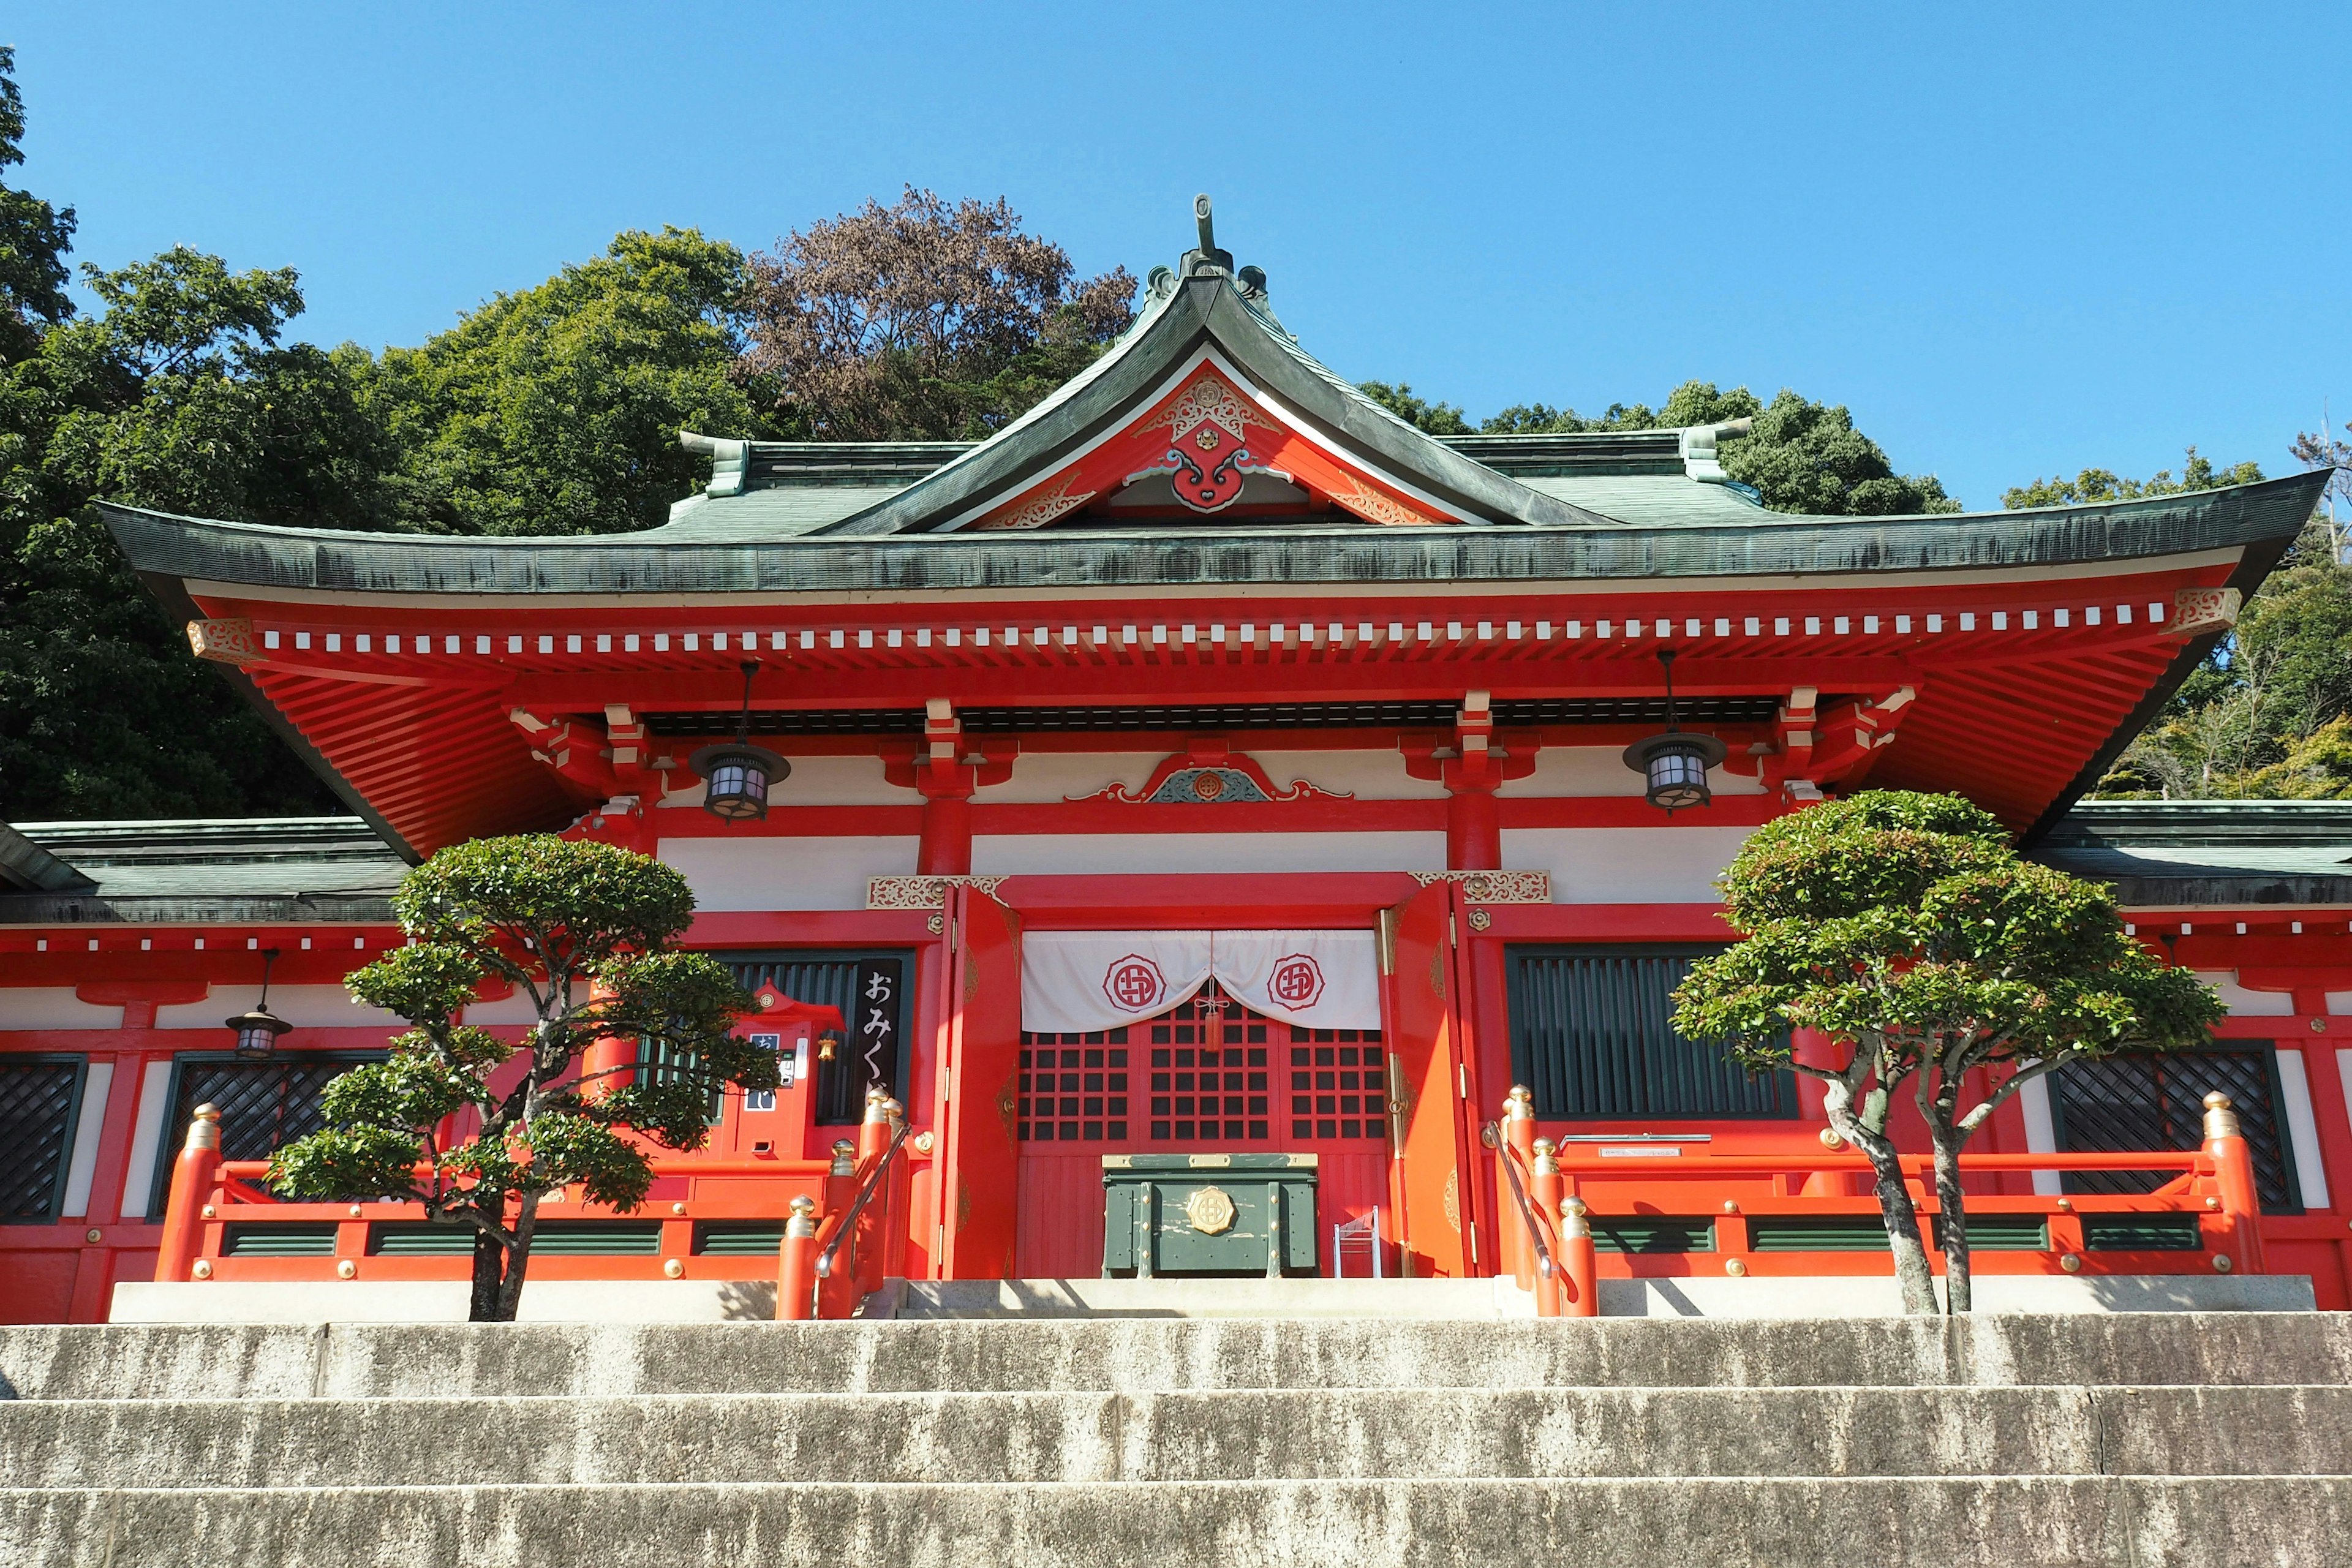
(1674, 765)
(738, 775)
(258, 1031)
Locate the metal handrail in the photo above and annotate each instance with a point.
(1503, 1152)
(864, 1194)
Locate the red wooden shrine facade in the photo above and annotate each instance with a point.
(1207, 643)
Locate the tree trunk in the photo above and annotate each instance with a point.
(1951, 1202)
(518, 1258)
(489, 1259)
(1911, 1270)
(1952, 1223)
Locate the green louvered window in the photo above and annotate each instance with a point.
(1590, 1036)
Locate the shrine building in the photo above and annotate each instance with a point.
(1208, 772)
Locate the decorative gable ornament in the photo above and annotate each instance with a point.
(1208, 775)
(1209, 458)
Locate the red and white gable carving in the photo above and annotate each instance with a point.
(1206, 437)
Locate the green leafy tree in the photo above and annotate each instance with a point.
(921, 320)
(557, 409)
(1906, 929)
(176, 394)
(1432, 418)
(1801, 456)
(477, 1130)
(34, 238)
(2094, 485)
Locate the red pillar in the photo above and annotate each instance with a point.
(1474, 831)
(946, 847)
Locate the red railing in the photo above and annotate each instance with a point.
(849, 1208)
(1550, 1195)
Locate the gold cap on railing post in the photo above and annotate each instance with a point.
(1519, 1105)
(845, 1157)
(1573, 1219)
(1547, 1157)
(2220, 1117)
(204, 1131)
(878, 1101)
(804, 1220)
(895, 1112)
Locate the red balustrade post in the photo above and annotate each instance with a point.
(192, 1184)
(1580, 1278)
(836, 1292)
(796, 1267)
(873, 1132)
(1518, 1144)
(1548, 1187)
(2234, 1172)
(882, 1210)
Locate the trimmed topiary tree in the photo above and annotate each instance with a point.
(585, 932)
(1907, 929)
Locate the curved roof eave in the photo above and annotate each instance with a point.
(197, 549)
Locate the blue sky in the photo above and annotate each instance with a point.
(2013, 240)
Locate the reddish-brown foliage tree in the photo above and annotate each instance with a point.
(922, 320)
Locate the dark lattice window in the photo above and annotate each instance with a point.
(40, 1097)
(1338, 1083)
(870, 989)
(1072, 1088)
(2138, 1101)
(263, 1105)
(1591, 1034)
(1211, 1071)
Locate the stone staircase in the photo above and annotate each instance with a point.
(2155, 1440)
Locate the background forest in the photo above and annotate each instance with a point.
(554, 411)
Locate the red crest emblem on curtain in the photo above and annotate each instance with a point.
(1209, 457)
(1134, 983)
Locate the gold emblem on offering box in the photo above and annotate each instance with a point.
(1210, 1210)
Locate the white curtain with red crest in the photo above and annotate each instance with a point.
(1079, 982)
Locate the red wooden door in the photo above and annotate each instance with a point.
(1439, 1195)
(1207, 1074)
(983, 1061)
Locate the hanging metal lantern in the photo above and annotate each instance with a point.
(1674, 765)
(258, 1031)
(737, 774)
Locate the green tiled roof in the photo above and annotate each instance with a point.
(2222, 853)
(299, 870)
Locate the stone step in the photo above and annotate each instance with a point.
(1397, 1301)
(1290, 1435)
(1143, 1355)
(2016, 1521)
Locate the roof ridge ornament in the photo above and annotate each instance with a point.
(1206, 260)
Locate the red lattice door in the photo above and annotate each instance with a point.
(1206, 1076)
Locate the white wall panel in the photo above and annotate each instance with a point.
(1367, 776)
(1625, 865)
(769, 873)
(147, 1137)
(1095, 854)
(1601, 770)
(814, 781)
(2040, 1134)
(304, 1007)
(82, 1170)
(53, 1007)
(1064, 776)
(2302, 1128)
(2245, 1004)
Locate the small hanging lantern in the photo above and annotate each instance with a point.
(828, 1045)
(258, 1031)
(1674, 765)
(737, 774)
